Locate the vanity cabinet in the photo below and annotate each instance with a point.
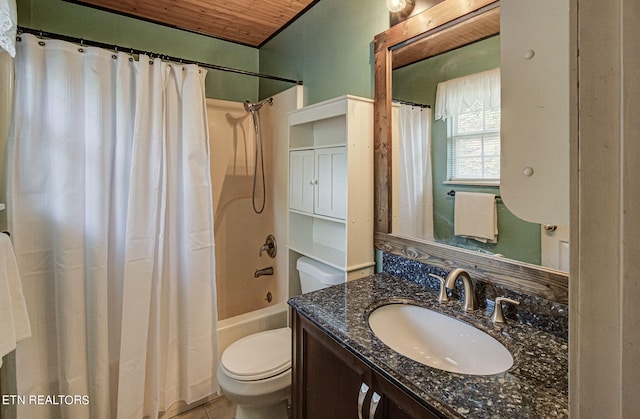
(329, 381)
(331, 185)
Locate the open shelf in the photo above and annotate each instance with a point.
(319, 237)
(318, 216)
(328, 132)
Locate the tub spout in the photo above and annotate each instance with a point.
(264, 271)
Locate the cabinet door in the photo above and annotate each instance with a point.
(301, 180)
(396, 404)
(331, 187)
(537, 78)
(326, 378)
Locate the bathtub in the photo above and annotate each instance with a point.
(234, 328)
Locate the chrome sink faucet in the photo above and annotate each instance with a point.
(470, 303)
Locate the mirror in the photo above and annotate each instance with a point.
(446, 30)
(416, 84)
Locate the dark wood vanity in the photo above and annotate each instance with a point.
(331, 382)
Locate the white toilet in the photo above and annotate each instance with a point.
(255, 371)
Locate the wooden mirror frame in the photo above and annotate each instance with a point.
(446, 26)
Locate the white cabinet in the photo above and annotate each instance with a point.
(318, 180)
(538, 78)
(330, 208)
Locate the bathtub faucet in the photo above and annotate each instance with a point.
(264, 271)
(270, 246)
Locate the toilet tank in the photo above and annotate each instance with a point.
(315, 275)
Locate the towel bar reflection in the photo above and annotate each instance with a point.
(453, 194)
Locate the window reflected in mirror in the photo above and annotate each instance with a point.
(470, 106)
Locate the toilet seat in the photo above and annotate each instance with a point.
(258, 356)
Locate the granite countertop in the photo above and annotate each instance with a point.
(535, 387)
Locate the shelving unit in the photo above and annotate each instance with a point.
(331, 185)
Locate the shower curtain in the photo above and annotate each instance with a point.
(415, 217)
(111, 217)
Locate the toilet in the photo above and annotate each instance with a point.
(255, 371)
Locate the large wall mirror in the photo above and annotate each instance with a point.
(445, 42)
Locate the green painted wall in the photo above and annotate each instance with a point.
(71, 19)
(330, 48)
(517, 239)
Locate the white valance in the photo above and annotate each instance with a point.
(456, 96)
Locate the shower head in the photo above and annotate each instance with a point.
(254, 107)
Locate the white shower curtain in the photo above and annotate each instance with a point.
(111, 217)
(415, 218)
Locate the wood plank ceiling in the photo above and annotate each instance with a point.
(247, 22)
(479, 27)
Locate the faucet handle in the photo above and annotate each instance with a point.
(497, 316)
(270, 246)
(442, 297)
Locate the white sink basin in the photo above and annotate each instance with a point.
(439, 341)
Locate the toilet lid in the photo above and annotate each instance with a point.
(259, 356)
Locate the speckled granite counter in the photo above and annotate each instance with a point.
(535, 387)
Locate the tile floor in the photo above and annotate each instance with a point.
(220, 408)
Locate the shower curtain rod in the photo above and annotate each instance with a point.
(114, 47)
(405, 102)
